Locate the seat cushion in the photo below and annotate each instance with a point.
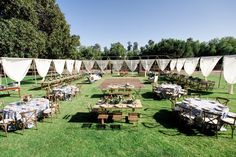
(228, 121)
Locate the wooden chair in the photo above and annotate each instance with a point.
(5, 122)
(185, 114)
(26, 98)
(49, 94)
(54, 108)
(223, 101)
(117, 116)
(28, 118)
(212, 121)
(102, 117)
(133, 117)
(231, 121)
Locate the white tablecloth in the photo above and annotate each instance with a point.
(14, 109)
(199, 105)
(176, 90)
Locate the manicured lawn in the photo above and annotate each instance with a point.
(157, 133)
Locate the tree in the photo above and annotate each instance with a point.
(129, 47)
(35, 28)
(19, 38)
(117, 49)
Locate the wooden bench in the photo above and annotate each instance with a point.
(11, 89)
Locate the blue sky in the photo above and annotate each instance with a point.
(110, 21)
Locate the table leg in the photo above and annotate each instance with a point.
(102, 121)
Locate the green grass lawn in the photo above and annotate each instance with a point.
(157, 133)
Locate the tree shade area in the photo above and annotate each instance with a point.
(35, 28)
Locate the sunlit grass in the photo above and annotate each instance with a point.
(155, 135)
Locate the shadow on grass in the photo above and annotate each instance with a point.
(146, 82)
(200, 92)
(35, 89)
(147, 95)
(84, 117)
(97, 95)
(170, 121)
(5, 95)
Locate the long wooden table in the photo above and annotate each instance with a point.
(135, 105)
(11, 89)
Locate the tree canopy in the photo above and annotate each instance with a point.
(35, 28)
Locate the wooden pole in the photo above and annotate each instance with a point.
(35, 77)
(220, 75)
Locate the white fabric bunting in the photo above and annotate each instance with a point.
(88, 65)
(117, 64)
(207, 64)
(132, 64)
(180, 64)
(162, 63)
(173, 64)
(190, 65)
(78, 65)
(42, 66)
(70, 65)
(147, 64)
(102, 64)
(16, 68)
(59, 65)
(229, 67)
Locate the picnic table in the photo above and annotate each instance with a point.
(123, 105)
(10, 88)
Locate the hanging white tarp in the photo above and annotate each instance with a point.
(78, 65)
(173, 64)
(42, 66)
(59, 65)
(207, 64)
(147, 63)
(70, 65)
(117, 64)
(190, 65)
(180, 64)
(162, 63)
(229, 67)
(16, 68)
(132, 64)
(102, 64)
(88, 65)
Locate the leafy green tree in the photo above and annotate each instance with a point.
(35, 28)
(19, 38)
(117, 49)
(129, 47)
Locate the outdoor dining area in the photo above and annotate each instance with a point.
(119, 100)
(169, 91)
(205, 114)
(26, 113)
(118, 104)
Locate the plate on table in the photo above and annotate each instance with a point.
(218, 109)
(221, 106)
(206, 108)
(131, 106)
(118, 106)
(103, 106)
(198, 99)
